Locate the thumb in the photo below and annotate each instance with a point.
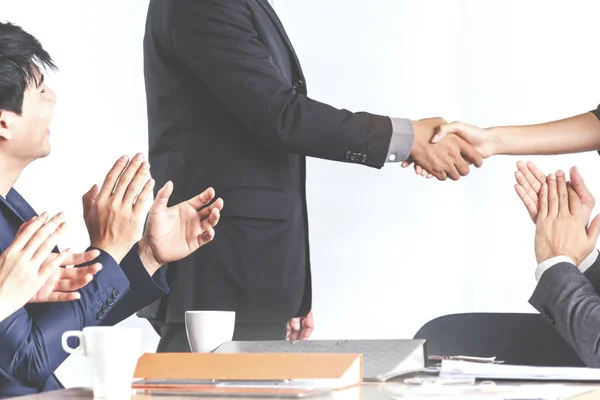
(576, 178)
(581, 189)
(594, 229)
(89, 199)
(288, 330)
(162, 197)
(458, 128)
(295, 322)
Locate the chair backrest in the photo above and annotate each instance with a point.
(522, 339)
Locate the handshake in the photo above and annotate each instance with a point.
(451, 157)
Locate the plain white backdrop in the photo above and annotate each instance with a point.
(390, 251)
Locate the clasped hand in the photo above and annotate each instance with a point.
(448, 158)
(31, 272)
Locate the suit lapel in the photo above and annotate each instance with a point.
(11, 218)
(275, 19)
(20, 208)
(17, 204)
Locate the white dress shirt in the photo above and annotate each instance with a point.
(549, 263)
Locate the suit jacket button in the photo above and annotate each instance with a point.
(104, 308)
(348, 154)
(354, 157)
(109, 302)
(547, 315)
(99, 315)
(115, 294)
(363, 158)
(297, 84)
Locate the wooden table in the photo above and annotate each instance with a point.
(367, 391)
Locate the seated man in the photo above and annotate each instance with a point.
(130, 277)
(567, 294)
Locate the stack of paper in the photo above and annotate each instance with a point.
(486, 392)
(518, 372)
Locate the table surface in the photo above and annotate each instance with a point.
(367, 391)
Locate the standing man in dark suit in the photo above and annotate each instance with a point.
(227, 105)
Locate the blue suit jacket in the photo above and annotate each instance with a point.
(30, 339)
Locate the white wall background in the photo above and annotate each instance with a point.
(389, 250)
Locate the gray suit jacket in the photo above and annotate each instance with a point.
(570, 300)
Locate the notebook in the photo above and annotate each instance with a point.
(382, 359)
(265, 372)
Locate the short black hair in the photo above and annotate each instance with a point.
(21, 58)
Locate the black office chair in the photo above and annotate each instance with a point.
(522, 339)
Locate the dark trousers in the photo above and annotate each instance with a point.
(173, 338)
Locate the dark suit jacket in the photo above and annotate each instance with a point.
(228, 108)
(30, 339)
(570, 301)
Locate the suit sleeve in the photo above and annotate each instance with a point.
(596, 112)
(143, 290)
(567, 300)
(30, 339)
(217, 41)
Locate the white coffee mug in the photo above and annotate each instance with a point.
(207, 330)
(113, 353)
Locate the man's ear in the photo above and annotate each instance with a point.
(5, 123)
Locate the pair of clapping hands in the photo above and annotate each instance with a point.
(561, 210)
(114, 215)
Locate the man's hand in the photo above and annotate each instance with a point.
(300, 328)
(484, 142)
(63, 283)
(114, 216)
(448, 159)
(173, 233)
(559, 231)
(529, 182)
(27, 264)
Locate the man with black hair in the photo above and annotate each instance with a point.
(130, 277)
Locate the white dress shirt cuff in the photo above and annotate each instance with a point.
(588, 262)
(585, 264)
(401, 143)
